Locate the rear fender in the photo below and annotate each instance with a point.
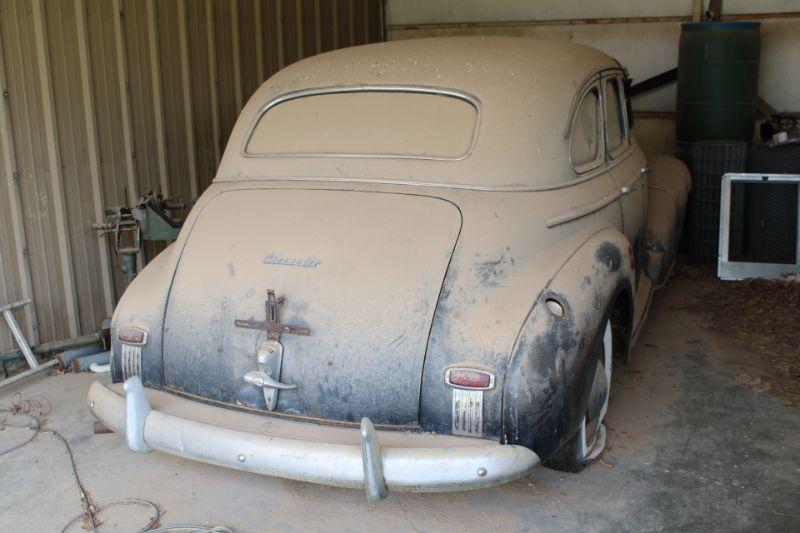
(545, 389)
(142, 305)
(668, 189)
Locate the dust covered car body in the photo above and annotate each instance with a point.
(411, 272)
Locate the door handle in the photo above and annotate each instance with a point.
(263, 380)
(627, 189)
(645, 170)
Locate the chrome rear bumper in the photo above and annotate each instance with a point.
(374, 461)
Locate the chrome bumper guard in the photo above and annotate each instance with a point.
(290, 450)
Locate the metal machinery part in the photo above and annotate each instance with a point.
(6, 310)
(727, 269)
(148, 220)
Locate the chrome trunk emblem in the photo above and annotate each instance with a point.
(269, 357)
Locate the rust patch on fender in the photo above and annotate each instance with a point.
(608, 253)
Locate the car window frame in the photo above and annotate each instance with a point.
(599, 160)
(458, 94)
(620, 150)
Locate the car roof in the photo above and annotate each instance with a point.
(525, 89)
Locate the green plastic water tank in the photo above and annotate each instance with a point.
(717, 81)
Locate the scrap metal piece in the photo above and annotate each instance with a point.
(374, 483)
(137, 409)
(24, 347)
(22, 375)
(728, 269)
(272, 326)
(17, 333)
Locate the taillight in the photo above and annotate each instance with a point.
(469, 378)
(132, 335)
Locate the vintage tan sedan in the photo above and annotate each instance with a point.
(412, 271)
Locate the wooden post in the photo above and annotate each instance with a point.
(279, 33)
(298, 25)
(697, 10)
(94, 152)
(335, 10)
(237, 58)
(15, 204)
(188, 109)
(158, 107)
(317, 26)
(54, 163)
(259, 41)
(212, 70)
(351, 24)
(125, 103)
(125, 106)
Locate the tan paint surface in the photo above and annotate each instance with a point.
(525, 88)
(363, 271)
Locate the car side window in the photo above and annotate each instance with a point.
(615, 117)
(585, 148)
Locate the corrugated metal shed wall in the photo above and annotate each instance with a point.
(103, 98)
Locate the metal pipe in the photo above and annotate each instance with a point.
(66, 357)
(83, 364)
(50, 347)
(584, 22)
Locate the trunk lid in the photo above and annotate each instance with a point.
(362, 270)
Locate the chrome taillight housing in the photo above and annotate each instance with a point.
(469, 378)
(133, 335)
(468, 385)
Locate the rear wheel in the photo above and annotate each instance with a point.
(590, 438)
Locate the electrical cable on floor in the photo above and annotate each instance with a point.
(35, 408)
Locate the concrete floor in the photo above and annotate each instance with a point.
(690, 448)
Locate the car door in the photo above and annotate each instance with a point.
(627, 165)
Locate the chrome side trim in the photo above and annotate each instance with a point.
(584, 210)
(299, 450)
(431, 184)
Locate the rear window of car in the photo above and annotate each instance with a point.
(367, 123)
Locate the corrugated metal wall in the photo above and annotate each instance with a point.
(104, 100)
